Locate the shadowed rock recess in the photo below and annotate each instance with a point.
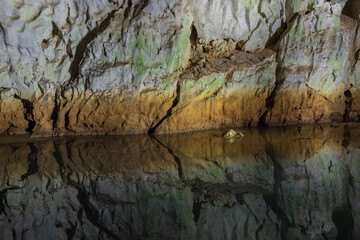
(140, 66)
(277, 183)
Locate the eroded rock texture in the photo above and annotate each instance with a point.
(137, 66)
(280, 183)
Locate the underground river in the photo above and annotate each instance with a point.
(298, 182)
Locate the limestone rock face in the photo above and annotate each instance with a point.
(92, 67)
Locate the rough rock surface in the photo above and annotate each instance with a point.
(137, 66)
(279, 183)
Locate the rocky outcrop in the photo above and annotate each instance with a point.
(279, 183)
(138, 66)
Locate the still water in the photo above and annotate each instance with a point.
(276, 183)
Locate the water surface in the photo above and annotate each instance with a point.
(277, 183)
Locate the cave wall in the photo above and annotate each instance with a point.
(137, 66)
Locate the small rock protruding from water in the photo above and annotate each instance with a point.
(231, 135)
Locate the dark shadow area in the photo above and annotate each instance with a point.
(344, 223)
(352, 9)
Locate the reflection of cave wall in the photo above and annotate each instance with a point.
(281, 183)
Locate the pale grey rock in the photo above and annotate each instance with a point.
(310, 61)
(40, 38)
(35, 40)
(252, 22)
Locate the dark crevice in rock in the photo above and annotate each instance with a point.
(352, 9)
(258, 230)
(58, 159)
(32, 160)
(74, 69)
(79, 216)
(273, 43)
(240, 45)
(84, 199)
(346, 141)
(44, 44)
(324, 236)
(138, 8)
(55, 113)
(68, 49)
(285, 27)
(272, 199)
(348, 105)
(194, 39)
(176, 159)
(357, 55)
(56, 31)
(318, 92)
(29, 113)
(344, 223)
(169, 112)
(276, 37)
(319, 118)
(126, 15)
(8, 131)
(271, 202)
(270, 100)
(3, 200)
(87, 83)
(196, 210)
(246, 226)
(262, 14)
(67, 119)
(278, 171)
(113, 2)
(354, 54)
(70, 232)
(4, 34)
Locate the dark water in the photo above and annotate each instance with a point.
(280, 183)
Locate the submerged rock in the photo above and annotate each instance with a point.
(231, 135)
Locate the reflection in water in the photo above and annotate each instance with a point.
(279, 183)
